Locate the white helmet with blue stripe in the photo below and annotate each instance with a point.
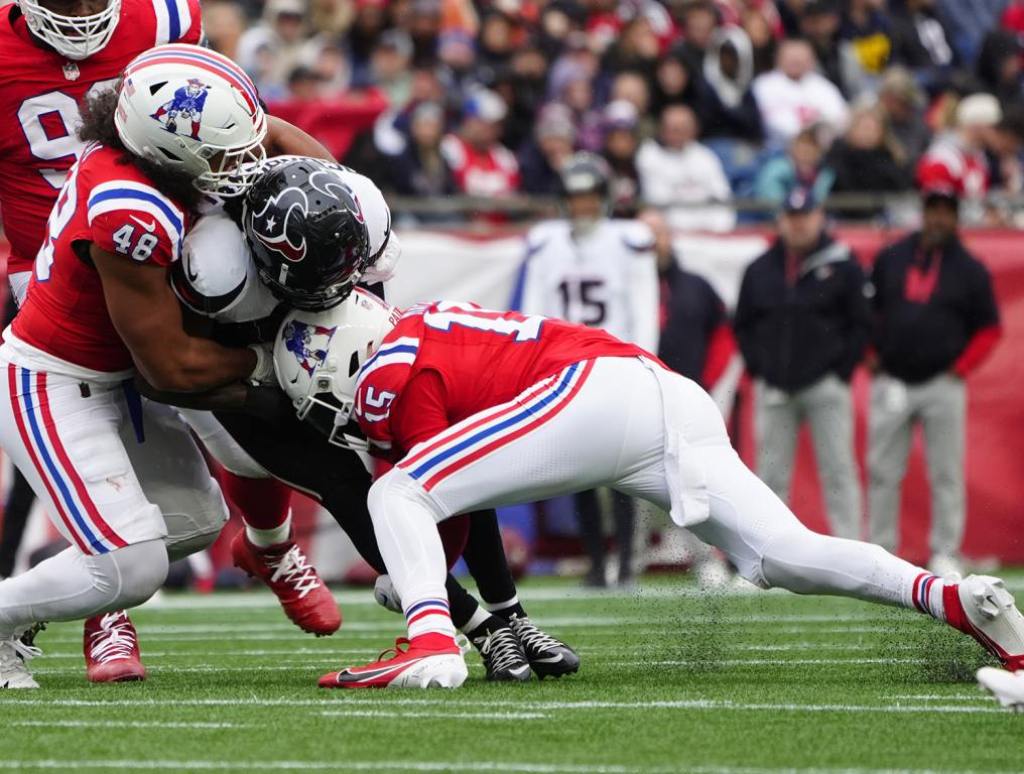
(194, 111)
(318, 357)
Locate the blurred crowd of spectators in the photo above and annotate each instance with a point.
(694, 103)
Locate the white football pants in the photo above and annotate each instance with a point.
(105, 492)
(603, 423)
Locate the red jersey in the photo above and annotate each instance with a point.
(493, 172)
(39, 95)
(109, 202)
(446, 361)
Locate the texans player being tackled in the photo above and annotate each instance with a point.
(122, 477)
(480, 408)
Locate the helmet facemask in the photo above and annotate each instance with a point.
(74, 37)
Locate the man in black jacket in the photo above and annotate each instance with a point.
(802, 322)
(935, 321)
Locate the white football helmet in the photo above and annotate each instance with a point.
(195, 111)
(74, 37)
(317, 357)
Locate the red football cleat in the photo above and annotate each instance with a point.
(288, 573)
(111, 647)
(427, 661)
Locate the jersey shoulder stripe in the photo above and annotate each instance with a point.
(395, 352)
(133, 196)
(174, 20)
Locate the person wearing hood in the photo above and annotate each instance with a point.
(802, 322)
(729, 107)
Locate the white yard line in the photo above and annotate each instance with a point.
(445, 714)
(161, 724)
(733, 662)
(452, 702)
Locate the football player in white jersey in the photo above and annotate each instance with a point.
(602, 272)
(312, 229)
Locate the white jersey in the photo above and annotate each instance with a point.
(605, 278)
(216, 276)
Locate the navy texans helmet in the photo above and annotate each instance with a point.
(307, 232)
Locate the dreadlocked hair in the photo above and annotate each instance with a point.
(98, 126)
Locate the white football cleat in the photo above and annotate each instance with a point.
(385, 594)
(13, 672)
(992, 618)
(1007, 687)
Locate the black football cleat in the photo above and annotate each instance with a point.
(503, 656)
(548, 657)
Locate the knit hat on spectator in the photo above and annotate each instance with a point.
(485, 105)
(555, 120)
(620, 114)
(978, 110)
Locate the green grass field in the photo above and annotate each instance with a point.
(671, 681)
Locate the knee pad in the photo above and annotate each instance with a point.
(132, 574)
(395, 485)
(196, 524)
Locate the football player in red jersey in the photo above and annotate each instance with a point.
(53, 53)
(481, 409)
(122, 478)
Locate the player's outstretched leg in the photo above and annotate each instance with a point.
(487, 563)
(265, 550)
(772, 548)
(111, 647)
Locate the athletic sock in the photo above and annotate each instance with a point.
(508, 608)
(265, 538)
(482, 624)
(428, 616)
(938, 598)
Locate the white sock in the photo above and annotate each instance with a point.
(496, 606)
(265, 538)
(429, 616)
(405, 522)
(477, 619)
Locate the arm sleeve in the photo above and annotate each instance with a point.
(420, 412)
(977, 350)
(137, 238)
(643, 300)
(194, 33)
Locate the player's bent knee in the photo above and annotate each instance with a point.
(395, 487)
(136, 573)
(196, 526)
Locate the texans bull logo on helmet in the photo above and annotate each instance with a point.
(308, 343)
(278, 225)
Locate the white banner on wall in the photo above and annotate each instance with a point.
(469, 267)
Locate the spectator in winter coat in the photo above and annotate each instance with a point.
(867, 28)
(864, 161)
(820, 24)
(999, 67)
(541, 160)
(482, 166)
(682, 176)
(936, 321)
(922, 42)
(729, 109)
(903, 104)
(621, 142)
(802, 167)
(802, 322)
(421, 168)
(794, 96)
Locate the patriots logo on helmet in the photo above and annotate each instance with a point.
(308, 343)
(274, 234)
(181, 114)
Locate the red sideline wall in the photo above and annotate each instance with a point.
(995, 433)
